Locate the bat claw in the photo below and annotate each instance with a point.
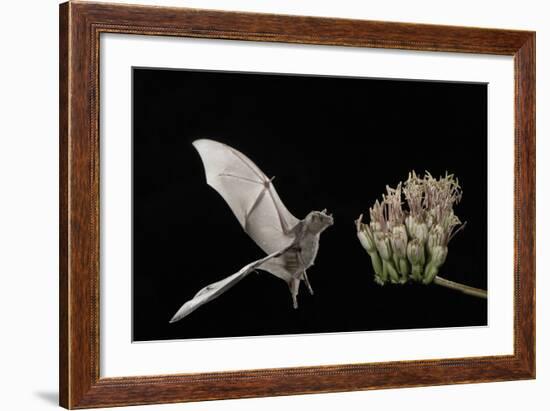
(306, 280)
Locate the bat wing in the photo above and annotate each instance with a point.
(216, 289)
(249, 193)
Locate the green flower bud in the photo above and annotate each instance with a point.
(375, 226)
(376, 265)
(417, 258)
(364, 234)
(439, 255)
(417, 272)
(366, 238)
(409, 221)
(417, 228)
(399, 241)
(415, 253)
(384, 276)
(430, 272)
(383, 245)
(404, 269)
(436, 238)
(430, 219)
(390, 271)
(420, 232)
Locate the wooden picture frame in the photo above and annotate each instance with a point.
(81, 24)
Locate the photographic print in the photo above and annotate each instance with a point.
(279, 204)
(257, 204)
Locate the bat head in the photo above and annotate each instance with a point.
(318, 221)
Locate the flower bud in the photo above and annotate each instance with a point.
(364, 234)
(439, 255)
(430, 219)
(383, 245)
(430, 273)
(417, 272)
(377, 266)
(409, 221)
(420, 232)
(436, 238)
(415, 253)
(404, 269)
(390, 271)
(368, 243)
(399, 241)
(375, 226)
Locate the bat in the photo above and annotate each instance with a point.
(291, 245)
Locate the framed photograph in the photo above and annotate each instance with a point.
(258, 205)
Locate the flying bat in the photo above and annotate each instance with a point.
(291, 245)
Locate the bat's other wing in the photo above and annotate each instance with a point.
(249, 193)
(214, 290)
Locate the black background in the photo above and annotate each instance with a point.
(332, 143)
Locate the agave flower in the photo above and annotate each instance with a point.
(408, 241)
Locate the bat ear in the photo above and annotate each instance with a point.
(324, 211)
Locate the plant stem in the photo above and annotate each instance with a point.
(476, 292)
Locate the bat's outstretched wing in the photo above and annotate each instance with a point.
(249, 193)
(214, 290)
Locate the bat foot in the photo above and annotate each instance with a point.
(306, 280)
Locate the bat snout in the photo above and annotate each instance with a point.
(326, 217)
(327, 214)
